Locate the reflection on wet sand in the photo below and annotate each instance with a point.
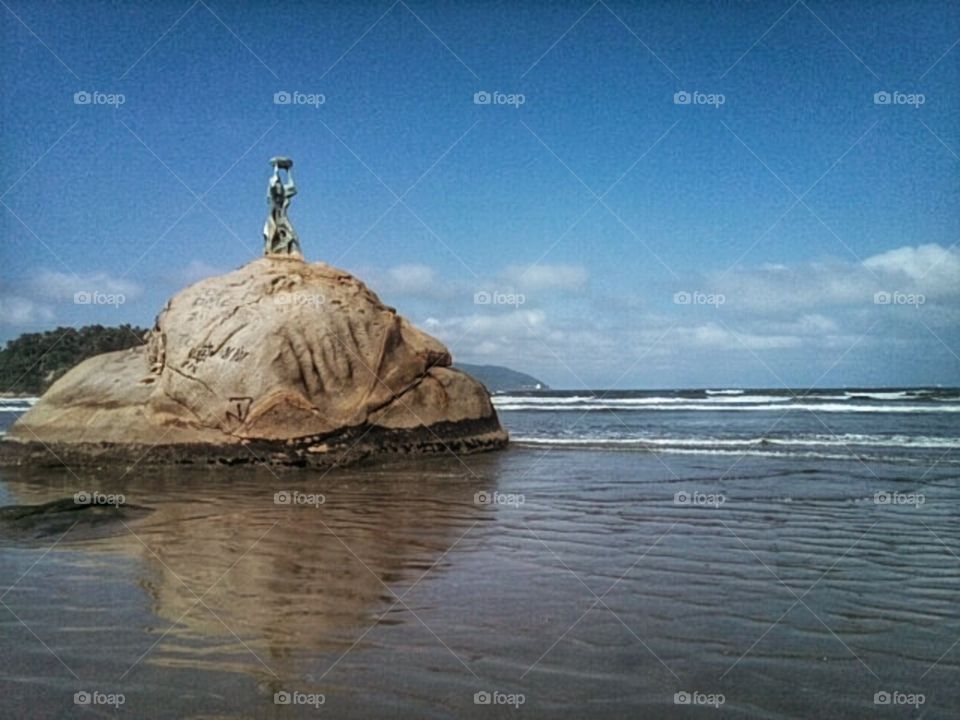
(694, 598)
(241, 582)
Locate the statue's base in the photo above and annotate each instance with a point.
(285, 256)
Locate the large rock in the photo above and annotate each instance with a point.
(279, 361)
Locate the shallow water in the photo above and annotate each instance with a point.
(588, 586)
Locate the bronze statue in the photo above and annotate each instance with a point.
(279, 237)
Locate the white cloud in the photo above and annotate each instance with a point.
(814, 324)
(930, 267)
(930, 270)
(503, 331)
(36, 297)
(425, 282)
(547, 277)
(806, 316)
(506, 324)
(16, 310)
(712, 336)
(63, 286)
(194, 271)
(412, 279)
(803, 316)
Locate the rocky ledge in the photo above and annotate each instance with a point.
(280, 362)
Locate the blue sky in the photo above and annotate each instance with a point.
(780, 201)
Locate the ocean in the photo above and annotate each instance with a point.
(908, 425)
(633, 554)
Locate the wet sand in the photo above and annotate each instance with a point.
(582, 588)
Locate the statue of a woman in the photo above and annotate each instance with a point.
(279, 237)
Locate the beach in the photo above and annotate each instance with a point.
(683, 554)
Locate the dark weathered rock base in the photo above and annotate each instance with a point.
(317, 451)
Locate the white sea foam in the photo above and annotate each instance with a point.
(552, 400)
(685, 404)
(17, 404)
(786, 454)
(560, 400)
(700, 448)
(706, 443)
(898, 395)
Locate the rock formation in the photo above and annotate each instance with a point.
(280, 361)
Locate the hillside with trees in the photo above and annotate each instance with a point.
(502, 379)
(33, 362)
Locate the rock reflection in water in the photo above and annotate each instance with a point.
(243, 582)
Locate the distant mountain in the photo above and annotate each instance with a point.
(501, 379)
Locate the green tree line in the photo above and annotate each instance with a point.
(32, 362)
